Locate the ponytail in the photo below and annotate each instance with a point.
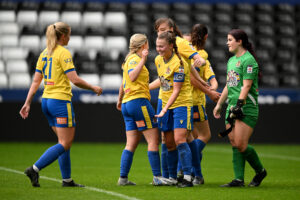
(199, 31)
(54, 33)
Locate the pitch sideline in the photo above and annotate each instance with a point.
(122, 196)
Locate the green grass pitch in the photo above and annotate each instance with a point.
(96, 165)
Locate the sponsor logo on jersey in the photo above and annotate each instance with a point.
(233, 78)
(133, 62)
(249, 69)
(68, 60)
(165, 85)
(127, 90)
(181, 69)
(49, 83)
(140, 123)
(61, 120)
(238, 64)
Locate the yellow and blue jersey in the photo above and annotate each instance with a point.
(170, 72)
(206, 73)
(54, 69)
(186, 51)
(140, 87)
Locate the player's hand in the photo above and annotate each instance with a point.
(98, 90)
(145, 53)
(214, 95)
(119, 106)
(199, 62)
(161, 114)
(237, 110)
(24, 112)
(217, 111)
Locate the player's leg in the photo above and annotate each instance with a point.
(172, 156)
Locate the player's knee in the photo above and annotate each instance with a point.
(66, 145)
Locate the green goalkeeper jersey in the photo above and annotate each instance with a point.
(239, 69)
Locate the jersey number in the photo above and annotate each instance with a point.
(45, 67)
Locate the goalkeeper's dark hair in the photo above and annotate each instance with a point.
(171, 39)
(171, 24)
(199, 31)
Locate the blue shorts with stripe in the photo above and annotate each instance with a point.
(180, 117)
(60, 113)
(138, 114)
(199, 114)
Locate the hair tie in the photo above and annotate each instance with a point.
(54, 26)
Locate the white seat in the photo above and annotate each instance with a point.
(2, 66)
(115, 20)
(7, 16)
(3, 80)
(92, 19)
(31, 42)
(27, 17)
(94, 42)
(76, 42)
(93, 79)
(15, 53)
(9, 40)
(19, 80)
(16, 66)
(9, 28)
(72, 18)
(118, 43)
(111, 81)
(48, 17)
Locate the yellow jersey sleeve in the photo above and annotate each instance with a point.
(185, 49)
(208, 72)
(66, 61)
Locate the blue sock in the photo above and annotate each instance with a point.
(154, 160)
(200, 145)
(64, 162)
(126, 161)
(185, 156)
(164, 161)
(49, 156)
(195, 158)
(172, 163)
(179, 166)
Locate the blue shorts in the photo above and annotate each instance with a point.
(60, 113)
(180, 117)
(158, 109)
(138, 114)
(199, 114)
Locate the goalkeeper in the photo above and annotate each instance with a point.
(242, 111)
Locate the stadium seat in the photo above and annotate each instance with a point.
(264, 7)
(244, 8)
(265, 30)
(92, 19)
(93, 79)
(72, 6)
(29, 5)
(202, 18)
(8, 5)
(3, 80)
(27, 17)
(140, 28)
(72, 18)
(48, 17)
(285, 8)
(19, 80)
(285, 18)
(14, 53)
(31, 42)
(111, 81)
(7, 16)
(286, 30)
(268, 67)
(95, 6)
(290, 80)
(137, 7)
(288, 43)
(263, 54)
(115, 22)
(224, 7)
(265, 42)
(9, 40)
(182, 18)
(94, 42)
(139, 18)
(264, 18)
(75, 43)
(160, 7)
(243, 18)
(2, 66)
(203, 8)
(181, 7)
(118, 43)
(223, 18)
(50, 5)
(270, 80)
(10, 28)
(116, 7)
(16, 66)
(288, 68)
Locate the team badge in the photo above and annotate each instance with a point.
(238, 64)
(249, 69)
(181, 69)
(233, 78)
(168, 70)
(165, 85)
(133, 62)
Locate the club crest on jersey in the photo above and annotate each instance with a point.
(168, 71)
(133, 62)
(249, 69)
(233, 78)
(238, 64)
(68, 60)
(165, 85)
(181, 69)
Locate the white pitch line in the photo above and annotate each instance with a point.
(281, 157)
(122, 196)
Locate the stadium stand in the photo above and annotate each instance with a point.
(101, 30)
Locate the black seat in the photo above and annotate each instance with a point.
(288, 80)
(8, 5)
(286, 30)
(95, 6)
(270, 80)
(51, 6)
(138, 7)
(265, 42)
(203, 8)
(224, 7)
(73, 6)
(160, 7)
(117, 6)
(244, 8)
(181, 7)
(265, 30)
(29, 5)
(202, 18)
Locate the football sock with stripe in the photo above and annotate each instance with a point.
(64, 162)
(126, 161)
(195, 158)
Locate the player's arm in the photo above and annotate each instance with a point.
(198, 60)
(134, 74)
(154, 84)
(121, 94)
(176, 89)
(213, 83)
(38, 77)
(79, 82)
(218, 107)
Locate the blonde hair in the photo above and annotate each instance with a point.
(136, 42)
(54, 33)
